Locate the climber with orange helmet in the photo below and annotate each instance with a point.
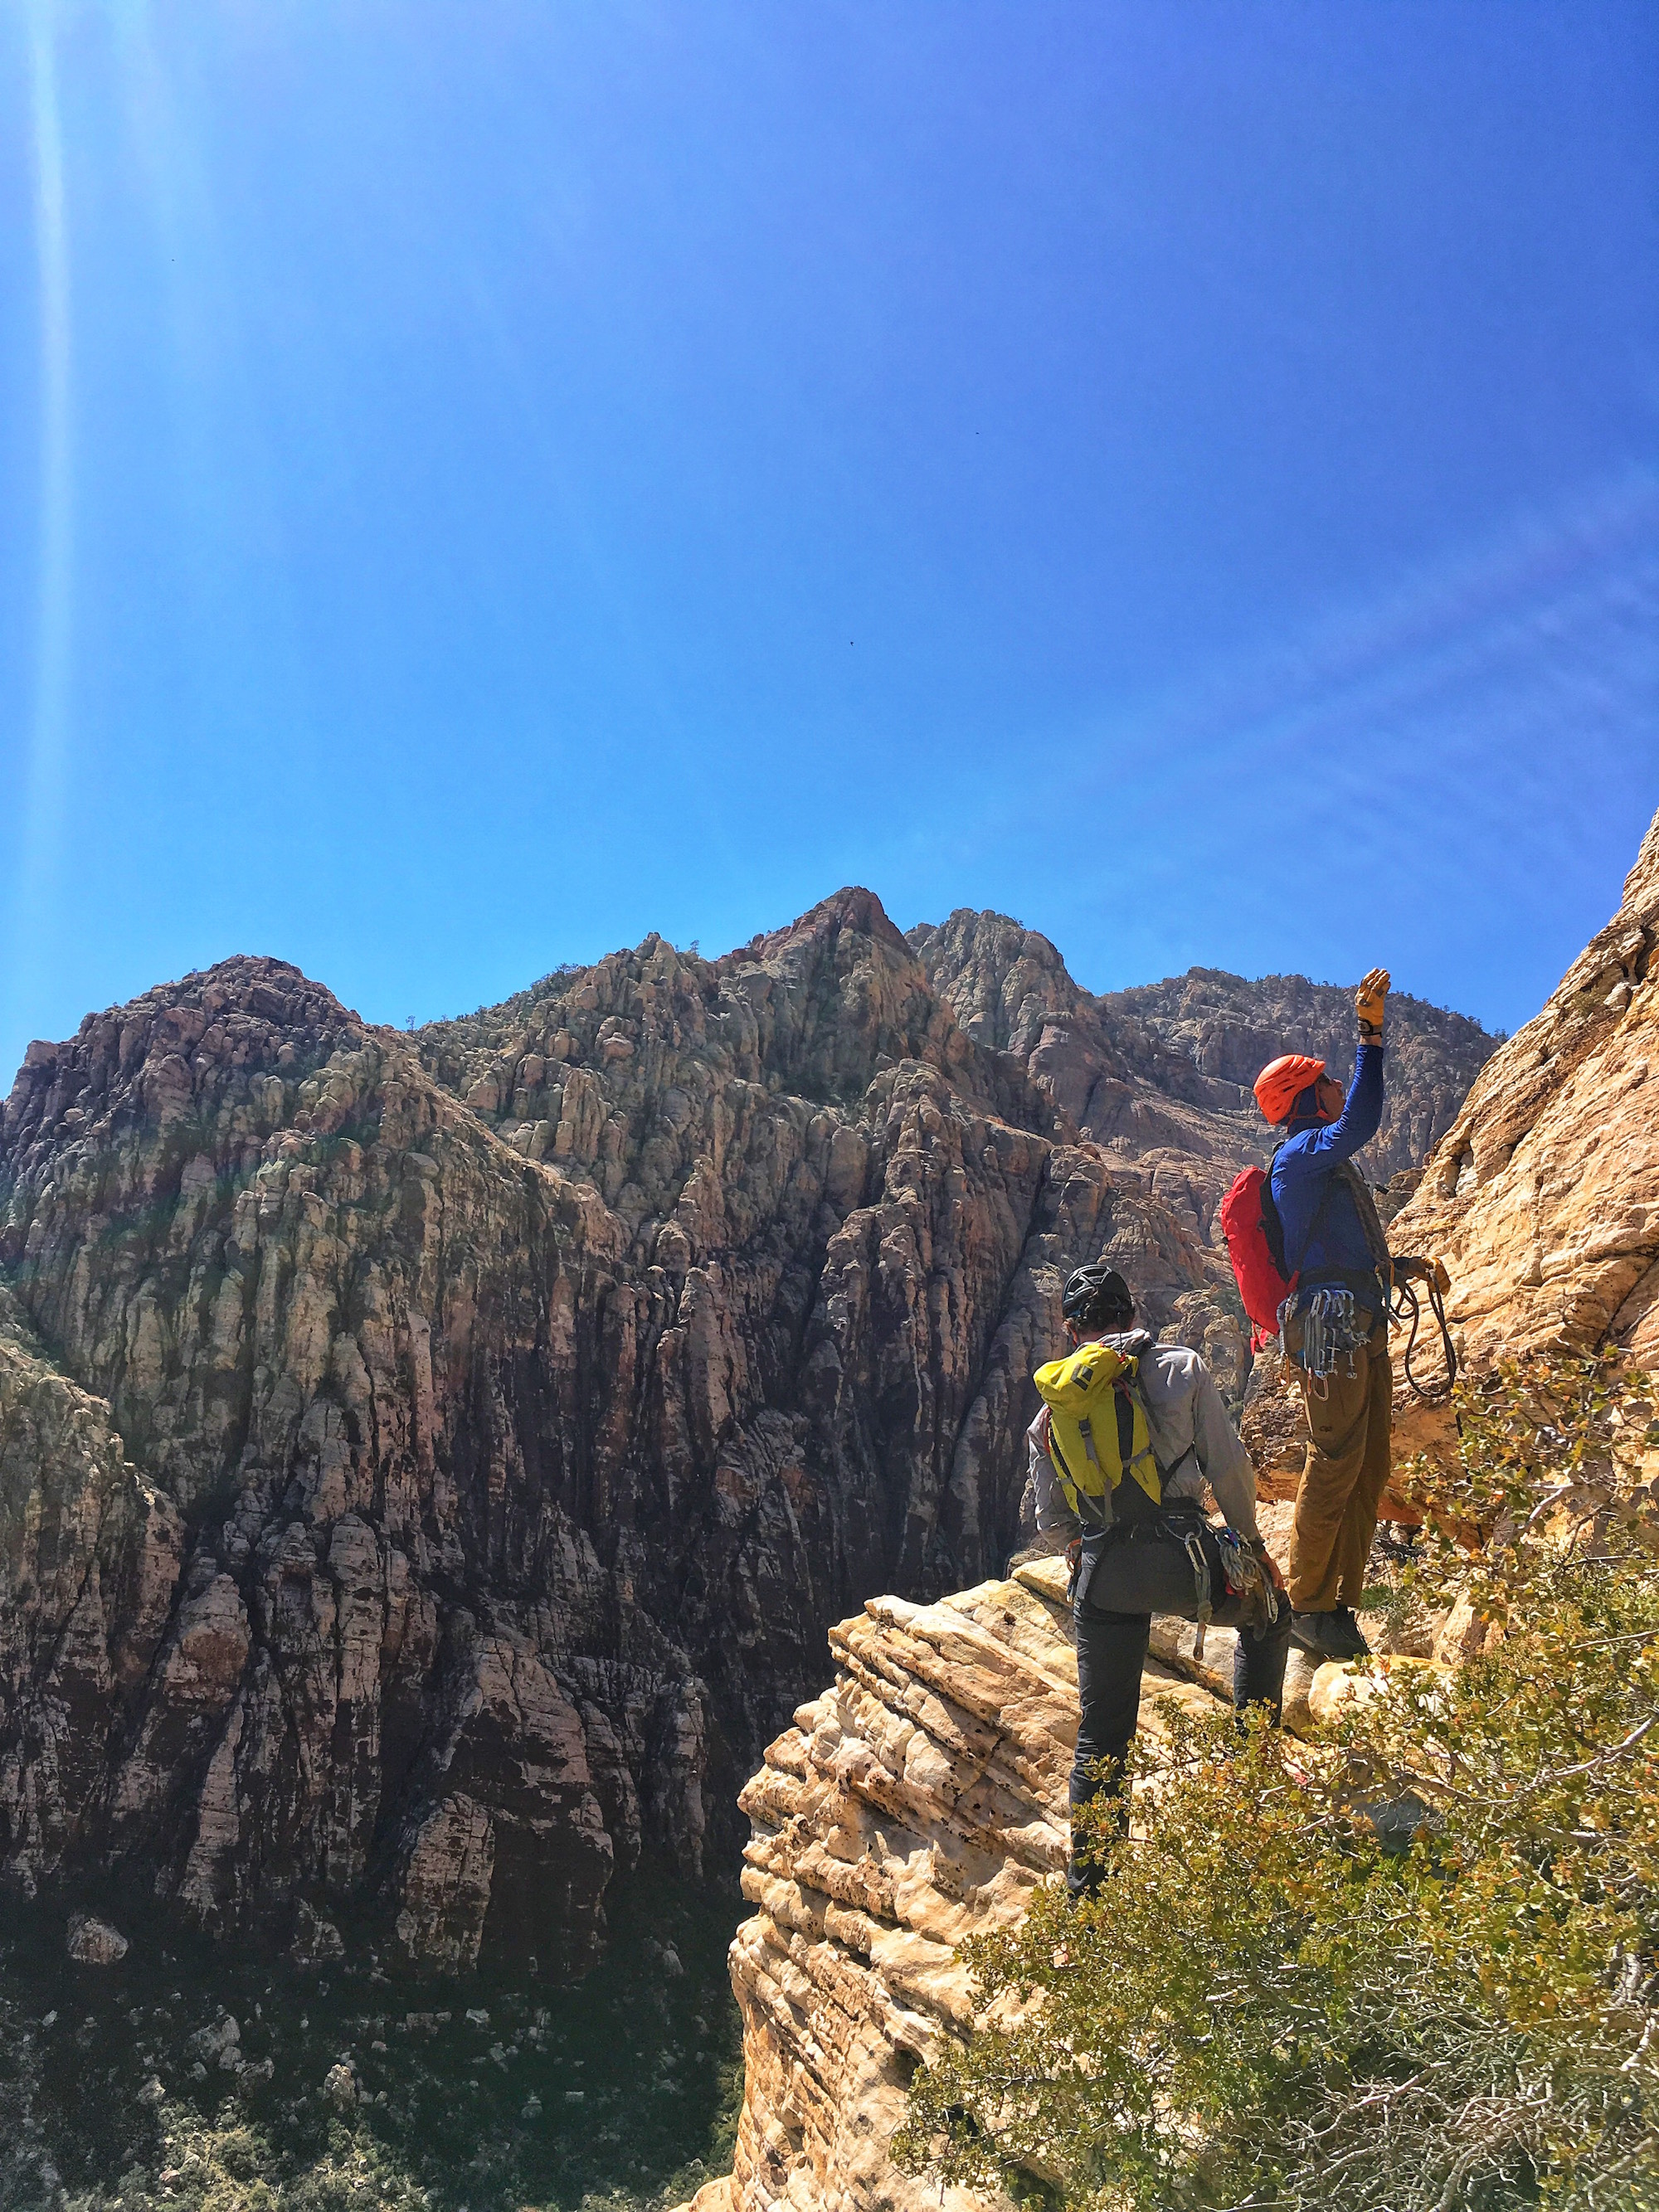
(1335, 1322)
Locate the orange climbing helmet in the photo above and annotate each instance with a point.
(1282, 1082)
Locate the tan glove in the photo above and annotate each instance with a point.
(1370, 1002)
(1442, 1280)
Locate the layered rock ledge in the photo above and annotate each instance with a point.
(921, 1799)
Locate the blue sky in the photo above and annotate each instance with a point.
(489, 478)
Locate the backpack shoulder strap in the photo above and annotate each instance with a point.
(1370, 1222)
(1291, 1273)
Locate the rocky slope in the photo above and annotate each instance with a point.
(450, 1452)
(433, 1461)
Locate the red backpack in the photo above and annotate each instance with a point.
(1255, 1245)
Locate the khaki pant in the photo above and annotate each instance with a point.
(1345, 1474)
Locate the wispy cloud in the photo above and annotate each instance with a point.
(1450, 773)
(1499, 688)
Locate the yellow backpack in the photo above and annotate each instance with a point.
(1097, 1427)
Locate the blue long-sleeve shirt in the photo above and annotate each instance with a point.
(1336, 1247)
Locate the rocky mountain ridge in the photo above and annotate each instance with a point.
(433, 1460)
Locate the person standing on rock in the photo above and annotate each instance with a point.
(1335, 1323)
(1129, 1433)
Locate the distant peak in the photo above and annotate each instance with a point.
(853, 908)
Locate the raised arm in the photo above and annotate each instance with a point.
(1362, 1110)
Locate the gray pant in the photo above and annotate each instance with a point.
(1121, 1585)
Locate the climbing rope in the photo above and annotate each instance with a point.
(1408, 1308)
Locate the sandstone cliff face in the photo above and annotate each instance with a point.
(433, 1463)
(1543, 1195)
(90, 1555)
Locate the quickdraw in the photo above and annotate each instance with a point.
(1329, 1333)
(1203, 1608)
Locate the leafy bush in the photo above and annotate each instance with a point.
(1411, 1965)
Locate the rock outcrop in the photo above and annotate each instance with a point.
(919, 1799)
(922, 1796)
(432, 1457)
(1543, 1195)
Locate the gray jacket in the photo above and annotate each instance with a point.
(1194, 1439)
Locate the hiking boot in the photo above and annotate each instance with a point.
(1345, 1614)
(1329, 1635)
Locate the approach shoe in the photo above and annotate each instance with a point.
(1329, 1635)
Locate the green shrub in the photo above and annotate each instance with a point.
(1409, 1967)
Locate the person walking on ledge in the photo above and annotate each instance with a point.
(1128, 1435)
(1335, 1323)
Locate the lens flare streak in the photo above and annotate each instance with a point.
(46, 778)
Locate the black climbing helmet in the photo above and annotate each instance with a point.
(1096, 1296)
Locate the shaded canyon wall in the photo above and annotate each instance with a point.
(432, 1461)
